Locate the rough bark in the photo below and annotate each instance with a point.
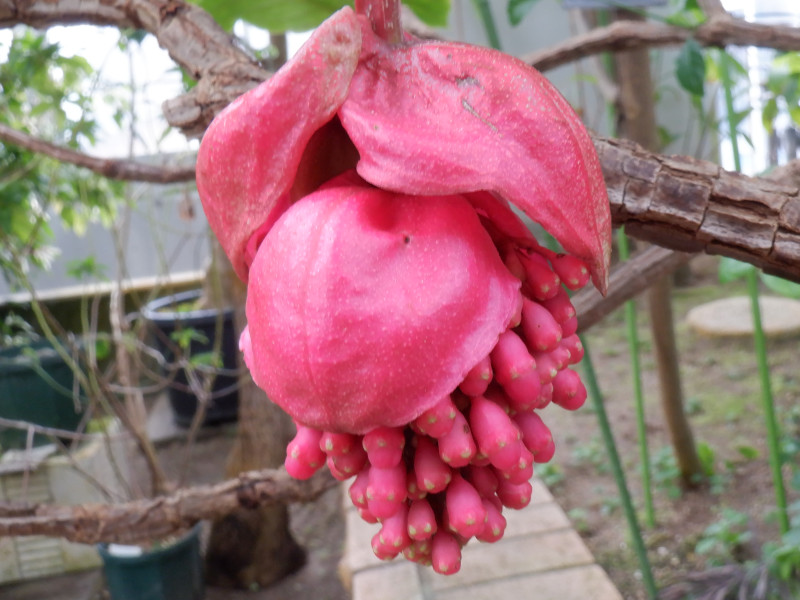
(690, 205)
(142, 520)
(718, 31)
(250, 546)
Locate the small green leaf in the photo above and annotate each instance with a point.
(731, 269)
(789, 62)
(273, 15)
(518, 10)
(690, 68)
(769, 113)
(781, 286)
(431, 12)
(748, 452)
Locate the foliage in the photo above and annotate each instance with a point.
(723, 540)
(518, 10)
(47, 95)
(301, 15)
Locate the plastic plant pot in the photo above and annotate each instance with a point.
(36, 386)
(174, 313)
(171, 572)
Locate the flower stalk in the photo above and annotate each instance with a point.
(384, 16)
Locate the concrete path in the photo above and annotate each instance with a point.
(540, 556)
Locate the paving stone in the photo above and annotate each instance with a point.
(540, 492)
(515, 556)
(397, 581)
(587, 582)
(535, 518)
(358, 553)
(732, 317)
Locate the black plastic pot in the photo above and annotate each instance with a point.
(168, 315)
(173, 572)
(36, 386)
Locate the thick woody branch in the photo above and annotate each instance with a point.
(125, 170)
(626, 281)
(695, 206)
(142, 520)
(720, 30)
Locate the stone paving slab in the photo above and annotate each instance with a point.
(733, 317)
(588, 582)
(540, 556)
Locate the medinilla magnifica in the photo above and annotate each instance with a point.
(398, 309)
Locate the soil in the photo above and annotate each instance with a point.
(722, 396)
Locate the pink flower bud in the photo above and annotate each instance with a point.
(494, 432)
(510, 358)
(535, 434)
(421, 520)
(542, 332)
(571, 270)
(478, 379)
(457, 448)
(568, 390)
(495, 525)
(358, 489)
(437, 420)
(337, 444)
(560, 307)
(540, 280)
(514, 495)
(384, 446)
(386, 490)
(465, 511)
(303, 456)
(432, 473)
(445, 553)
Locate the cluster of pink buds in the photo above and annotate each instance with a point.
(446, 476)
(398, 308)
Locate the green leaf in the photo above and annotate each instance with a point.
(273, 15)
(688, 16)
(789, 62)
(748, 452)
(302, 15)
(731, 269)
(781, 286)
(769, 113)
(431, 12)
(518, 10)
(690, 68)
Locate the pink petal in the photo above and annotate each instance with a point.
(250, 155)
(366, 307)
(444, 118)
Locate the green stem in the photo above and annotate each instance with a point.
(384, 15)
(619, 474)
(636, 368)
(759, 340)
(485, 13)
(768, 402)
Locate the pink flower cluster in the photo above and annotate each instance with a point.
(398, 308)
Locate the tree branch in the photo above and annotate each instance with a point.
(142, 520)
(627, 280)
(695, 206)
(720, 30)
(125, 170)
(190, 35)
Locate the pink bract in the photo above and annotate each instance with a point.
(366, 307)
(423, 118)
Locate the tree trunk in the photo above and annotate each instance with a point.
(251, 547)
(636, 121)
